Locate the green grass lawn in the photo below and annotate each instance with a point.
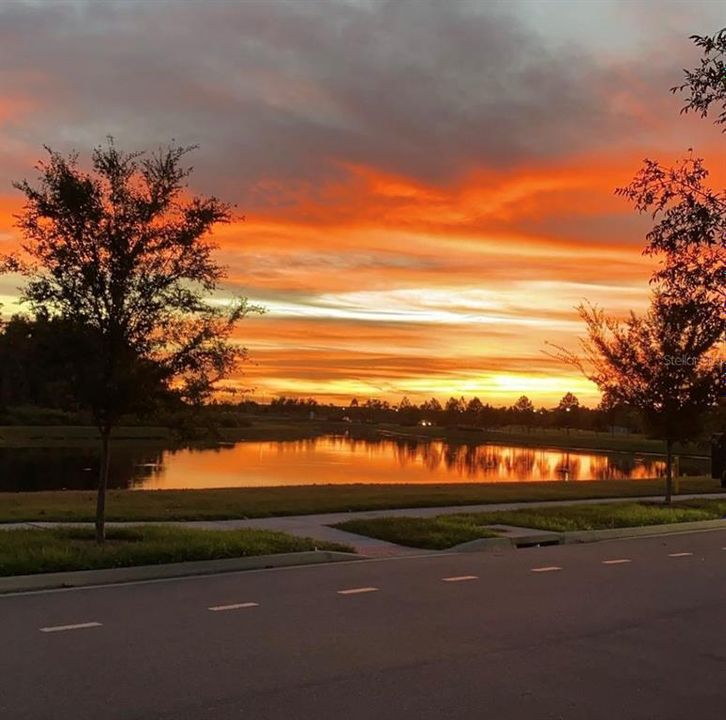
(437, 533)
(220, 504)
(26, 552)
(599, 517)
(445, 531)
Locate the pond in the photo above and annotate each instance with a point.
(319, 461)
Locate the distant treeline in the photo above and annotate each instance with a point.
(473, 413)
(38, 387)
(460, 412)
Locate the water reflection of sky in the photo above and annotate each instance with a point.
(324, 460)
(339, 460)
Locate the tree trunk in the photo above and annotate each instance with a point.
(669, 472)
(102, 484)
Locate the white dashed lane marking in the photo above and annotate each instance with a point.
(619, 561)
(682, 554)
(63, 628)
(549, 568)
(235, 606)
(460, 578)
(357, 591)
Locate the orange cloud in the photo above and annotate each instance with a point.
(380, 285)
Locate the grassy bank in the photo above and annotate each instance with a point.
(24, 436)
(602, 517)
(87, 436)
(281, 429)
(590, 440)
(445, 531)
(222, 504)
(438, 533)
(26, 552)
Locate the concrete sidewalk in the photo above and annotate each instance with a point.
(318, 526)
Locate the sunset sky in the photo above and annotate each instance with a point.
(427, 186)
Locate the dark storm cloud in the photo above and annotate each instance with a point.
(287, 91)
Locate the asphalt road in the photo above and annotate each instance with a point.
(559, 632)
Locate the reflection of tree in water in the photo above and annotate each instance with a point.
(472, 460)
(431, 456)
(610, 468)
(625, 466)
(283, 447)
(486, 461)
(542, 464)
(150, 466)
(568, 468)
(59, 468)
(490, 462)
(521, 463)
(450, 455)
(411, 452)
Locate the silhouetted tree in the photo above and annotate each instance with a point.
(568, 402)
(453, 409)
(523, 410)
(473, 411)
(664, 362)
(690, 234)
(705, 86)
(432, 405)
(431, 410)
(566, 409)
(407, 412)
(124, 258)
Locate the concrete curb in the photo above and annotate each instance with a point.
(483, 544)
(536, 538)
(585, 536)
(108, 576)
